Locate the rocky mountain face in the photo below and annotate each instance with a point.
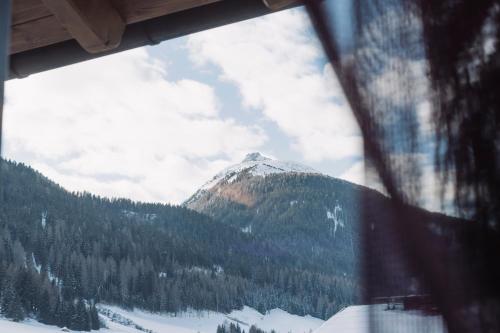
(294, 207)
(318, 219)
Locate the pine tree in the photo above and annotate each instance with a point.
(83, 316)
(94, 319)
(45, 313)
(11, 305)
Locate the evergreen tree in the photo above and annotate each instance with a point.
(11, 304)
(45, 310)
(94, 319)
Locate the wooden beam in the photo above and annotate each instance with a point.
(28, 10)
(95, 24)
(278, 4)
(139, 34)
(35, 26)
(38, 33)
(134, 11)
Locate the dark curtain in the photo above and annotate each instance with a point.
(423, 80)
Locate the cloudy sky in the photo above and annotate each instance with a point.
(153, 124)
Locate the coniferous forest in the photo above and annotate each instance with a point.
(296, 247)
(62, 253)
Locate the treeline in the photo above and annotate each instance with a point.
(235, 328)
(24, 292)
(81, 249)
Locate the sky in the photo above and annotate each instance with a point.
(155, 123)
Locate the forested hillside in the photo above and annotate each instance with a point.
(61, 253)
(314, 216)
(322, 220)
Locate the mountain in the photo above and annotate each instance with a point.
(62, 253)
(264, 234)
(318, 220)
(254, 164)
(304, 213)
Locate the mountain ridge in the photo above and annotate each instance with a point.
(323, 219)
(78, 249)
(283, 239)
(254, 164)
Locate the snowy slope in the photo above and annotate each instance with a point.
(355, 319)
(206, 322)
(31, 326)
(27, 326)
(187, 322)
(257, 165)
(254, 164)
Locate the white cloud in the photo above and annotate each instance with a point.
(275, 62)
(116, 126)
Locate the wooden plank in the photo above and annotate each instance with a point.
(28, 10)
(278, 4)
(131, 10)
(38, 33)
(135, 11)
(35, 25)
(95, 24)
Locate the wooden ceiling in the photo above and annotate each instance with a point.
(38, 23)
(97, 25)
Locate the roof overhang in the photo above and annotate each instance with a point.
(46, 34)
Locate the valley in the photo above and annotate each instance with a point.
(263, 236)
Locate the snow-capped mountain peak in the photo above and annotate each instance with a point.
(257, 164)
(255, 157)
(254, 164)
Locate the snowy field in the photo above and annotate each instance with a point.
(355, 319)
(187, 322)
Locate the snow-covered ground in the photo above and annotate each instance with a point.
(187, 322)
(356, 319)
(27, 326)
